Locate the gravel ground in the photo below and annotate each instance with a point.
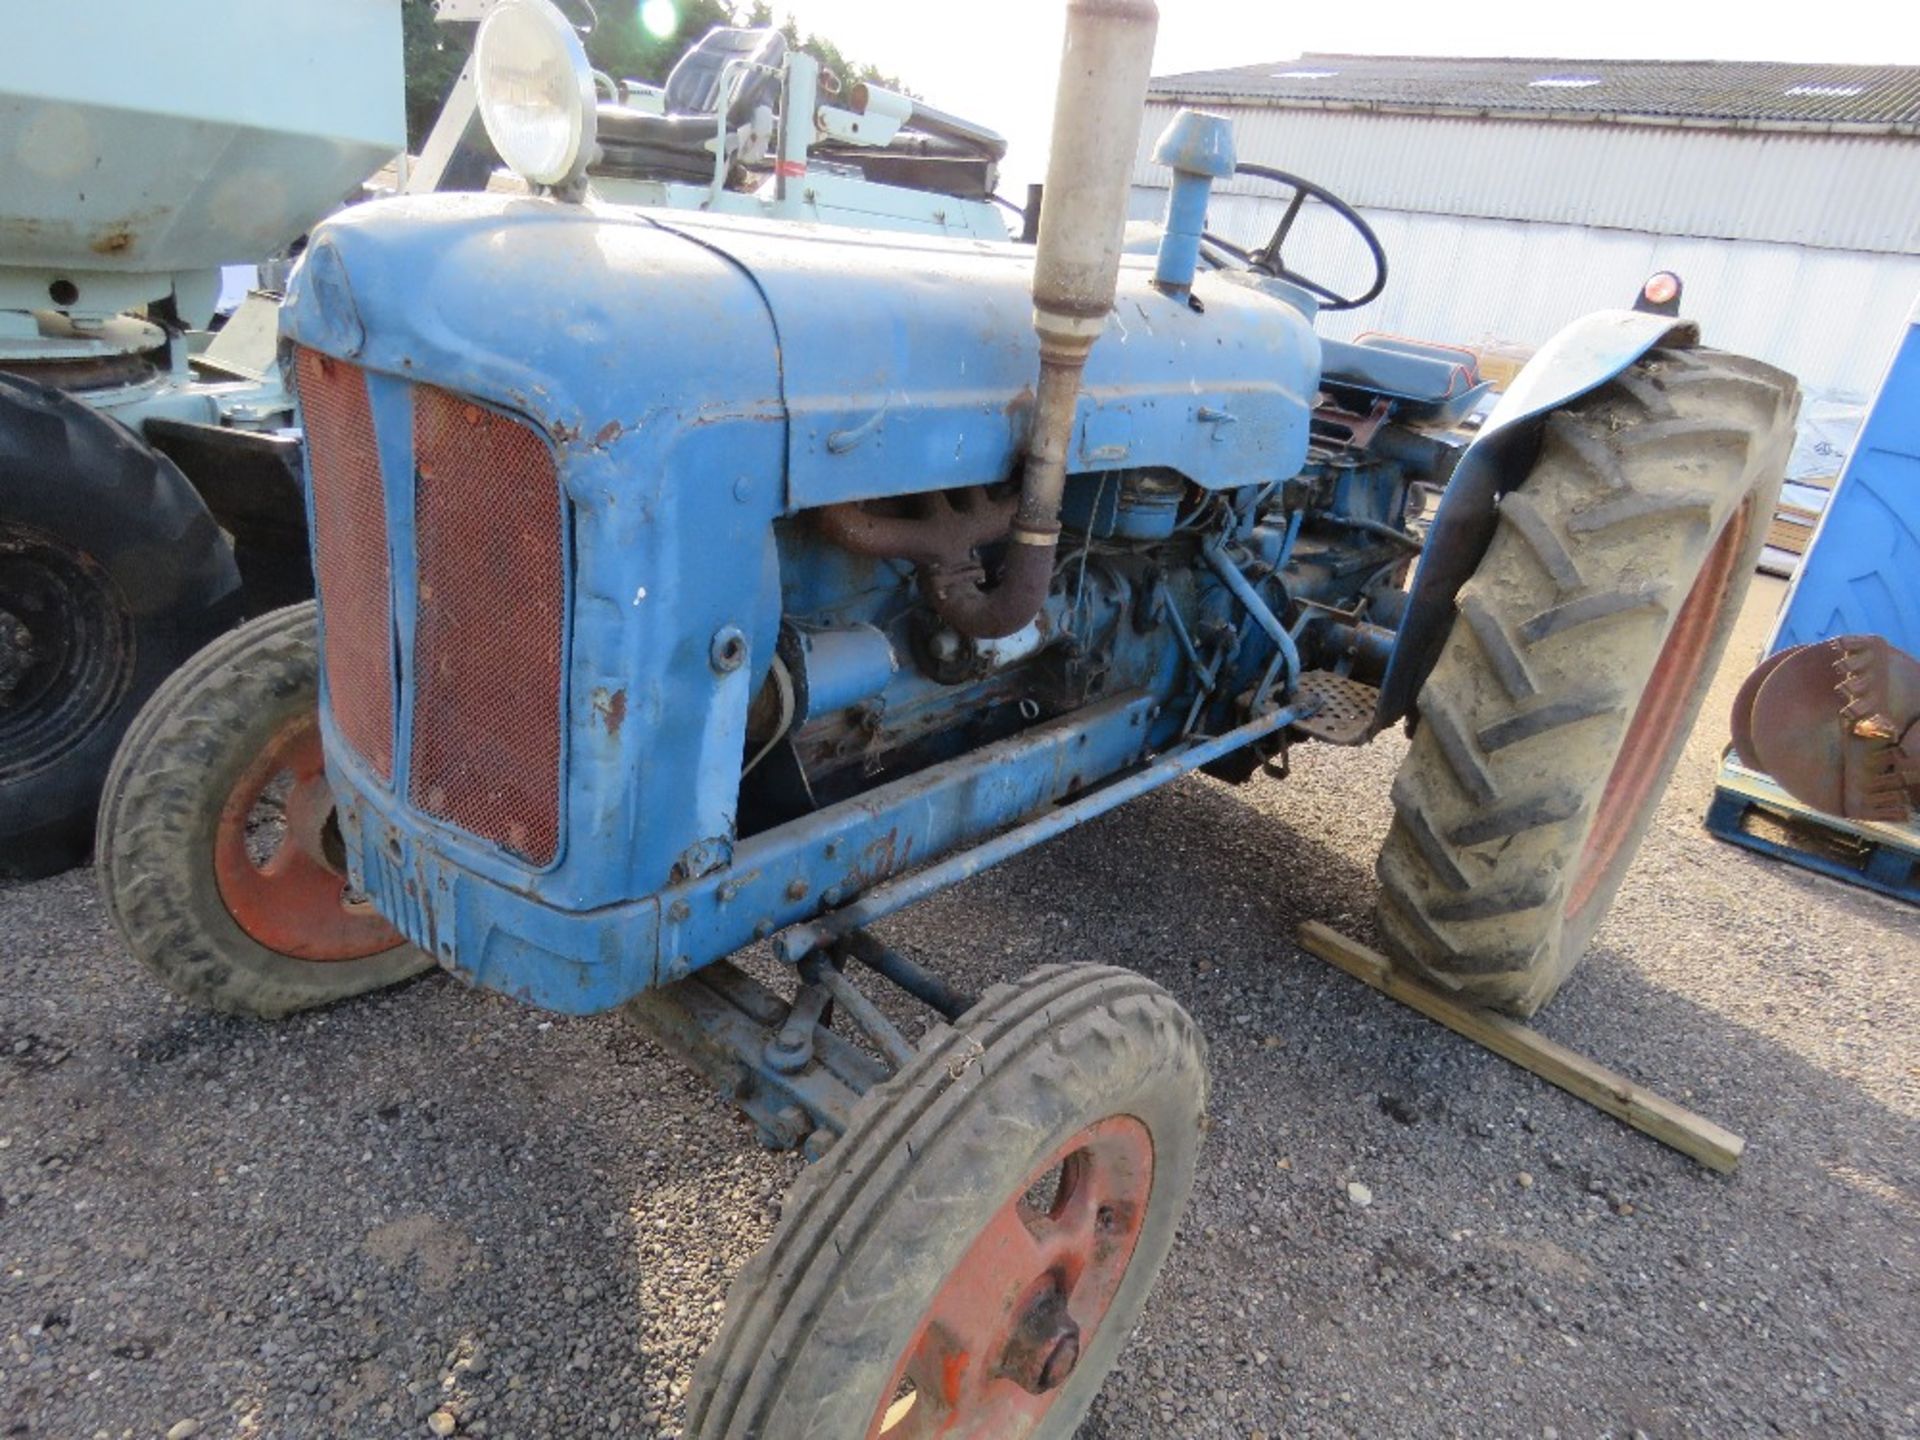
(436, 1200)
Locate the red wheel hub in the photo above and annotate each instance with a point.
(1663, 705)
(1008, 1325)
(293, 898)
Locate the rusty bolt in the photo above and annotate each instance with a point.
(728, 650)
(679, 911)
(796, 889)
(1045, 1346)
(1060, 1363)
(786, 1128)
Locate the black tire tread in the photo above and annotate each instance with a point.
(1027, 1037)
(1558, 631)
(155, 867)
(1502, 650)
(68, 471)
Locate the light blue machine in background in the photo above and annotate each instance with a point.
(134, 165)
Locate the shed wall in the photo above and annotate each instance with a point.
(1831, 191)
(1833, 318)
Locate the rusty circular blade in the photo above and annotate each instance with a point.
(1740, 721)
(1798, 731)
(1796, 726)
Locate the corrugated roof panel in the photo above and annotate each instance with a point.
(1847, 192)
(1726, 92)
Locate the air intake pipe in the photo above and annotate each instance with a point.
(1099, 111)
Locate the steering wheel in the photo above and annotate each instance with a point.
(1267, 259)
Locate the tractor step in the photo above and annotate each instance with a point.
(1345, 707)
(1748, 809)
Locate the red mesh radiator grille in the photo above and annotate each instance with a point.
(350, 550)
(487, 648)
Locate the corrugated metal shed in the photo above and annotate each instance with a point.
(1846, 192)
(1513, 196)
(1830, 317)
(1883, 99)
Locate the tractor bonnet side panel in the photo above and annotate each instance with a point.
(909, 363)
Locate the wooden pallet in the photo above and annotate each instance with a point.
(1748, 809)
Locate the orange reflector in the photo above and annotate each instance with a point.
(1661, 288)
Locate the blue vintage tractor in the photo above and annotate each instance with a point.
(691, 581)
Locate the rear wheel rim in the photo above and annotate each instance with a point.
(1647, 748)
(277, 857)
(1005, 1331)
(68, 649)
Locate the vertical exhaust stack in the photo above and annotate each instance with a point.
(1098, 114)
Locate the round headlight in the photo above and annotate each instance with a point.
(536, 91)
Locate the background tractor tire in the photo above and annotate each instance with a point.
(228, 909)
(111, 574)
(820, 1323)
(1578, 659)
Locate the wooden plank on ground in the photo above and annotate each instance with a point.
(1608, 1090)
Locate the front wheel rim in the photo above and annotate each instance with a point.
(69, 645)
(276, 860)
(1008, 1326)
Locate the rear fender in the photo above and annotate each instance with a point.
(1578, 360)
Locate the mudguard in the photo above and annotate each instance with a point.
(1578, 360)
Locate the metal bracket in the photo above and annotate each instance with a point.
(882, 900)
(423, 175)
(729, 1027)
(790, 1074)
(791, 1050)
(820, 972)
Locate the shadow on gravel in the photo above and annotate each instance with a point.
(1240, 900)
(435, 1198)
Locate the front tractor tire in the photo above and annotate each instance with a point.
(969, 1258)
(1578, 659)
(219, 856)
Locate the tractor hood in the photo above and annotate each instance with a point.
(897, 363)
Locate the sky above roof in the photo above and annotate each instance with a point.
(995, 61)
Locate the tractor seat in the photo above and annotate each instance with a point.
(675, 145)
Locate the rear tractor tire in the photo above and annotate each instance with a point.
(1579, 657)
(969, 1258)
(111, 574)
(219, 855)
